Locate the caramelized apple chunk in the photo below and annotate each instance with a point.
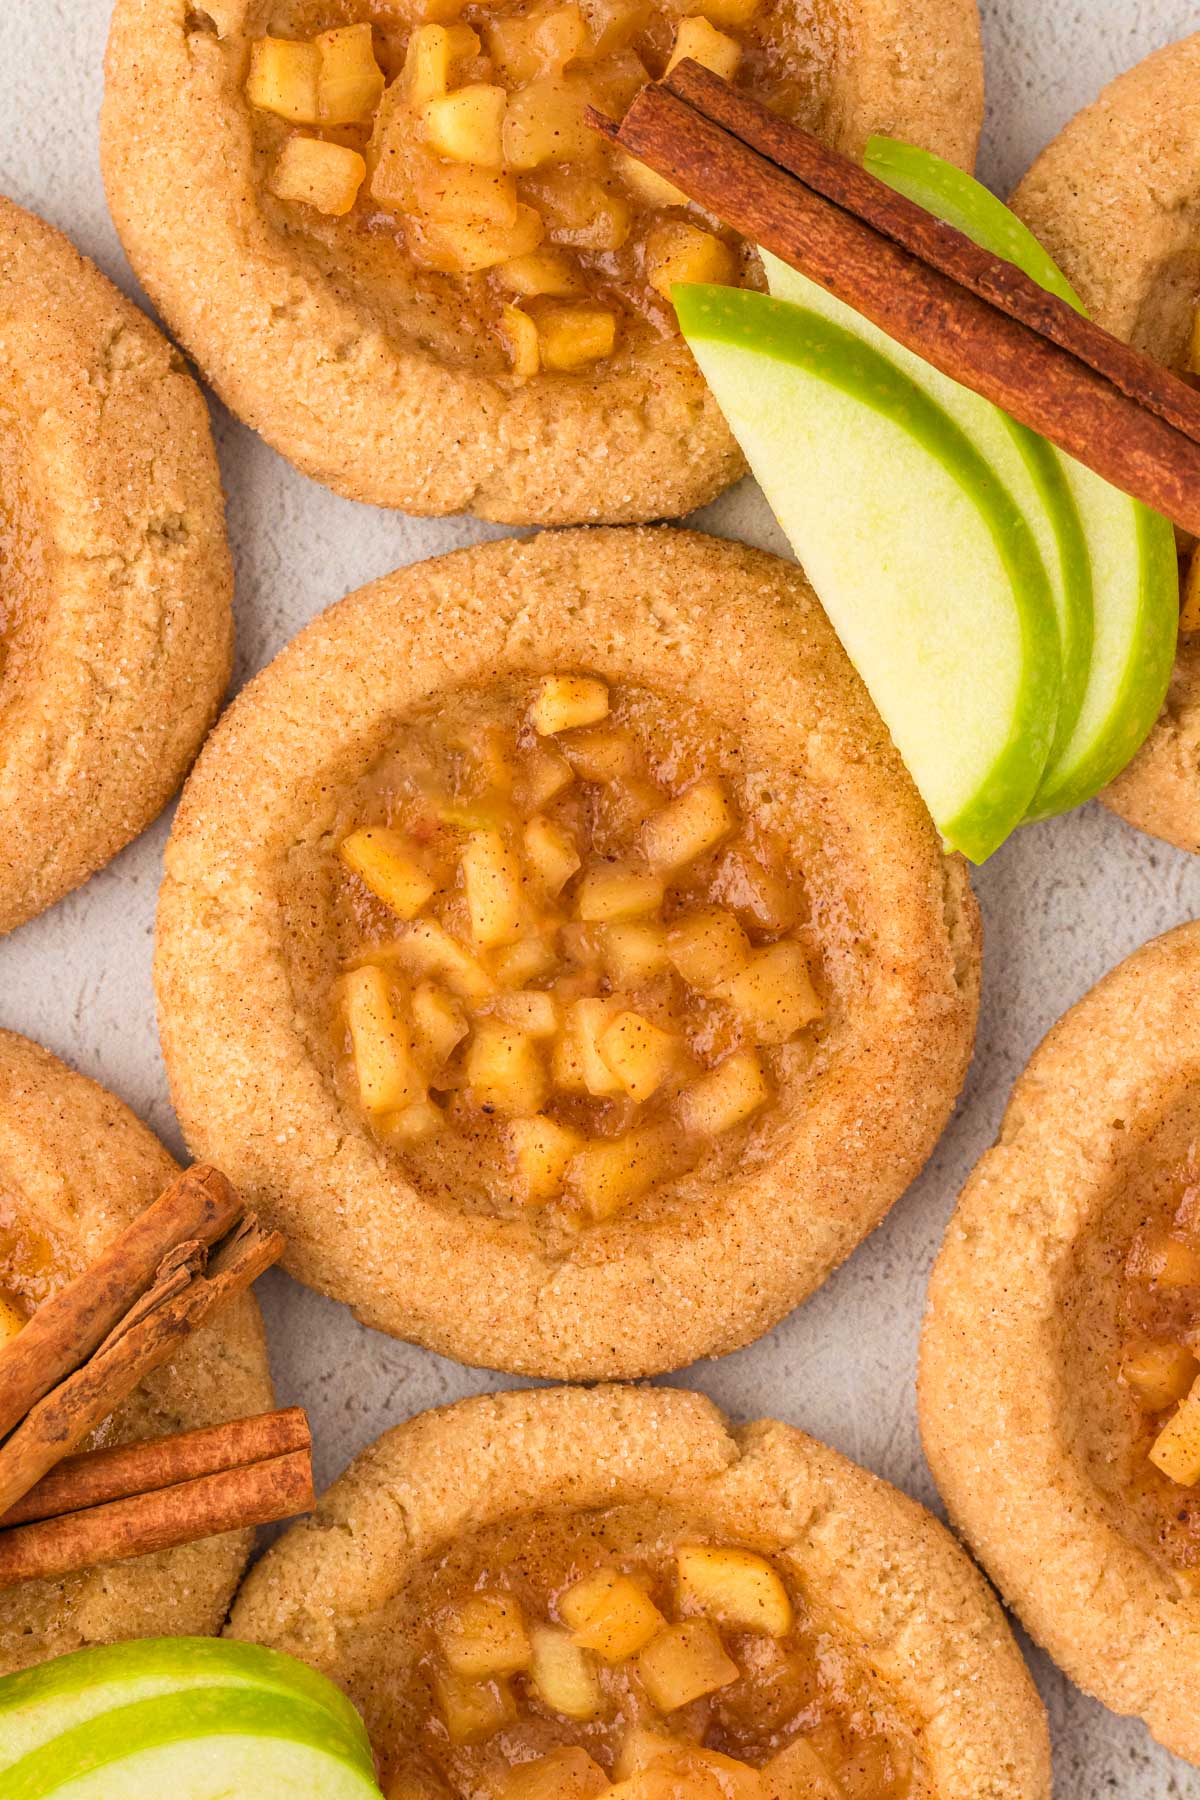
(1176, 1450)
(311, 172)
(703, 43)
(735, 1587)
(683, 1663)
(726, 1096)
(542, 1152)
(563, 1675)
(472, 1710)
(350, 81)
(695, 821)
(611, 1615)
(563, 702)
(485, 1636)
(387, 1071)
(565, 1774)
(386, 862)
(284, 79)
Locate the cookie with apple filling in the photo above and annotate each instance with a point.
(422, 277)
(566, 1594)
(1060, 1361)
(75, 1166)
(563, 910)
(115, 628)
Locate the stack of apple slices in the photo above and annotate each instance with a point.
(1013, 616)
(195, 1718)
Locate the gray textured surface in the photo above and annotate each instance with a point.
(1062, 902)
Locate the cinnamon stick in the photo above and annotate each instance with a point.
(856, 190)
(199, 1207)
(227, 1501)
(1029, 375)
(143, 1340)
(141, 1468)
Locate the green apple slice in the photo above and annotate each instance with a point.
(1135, 571)
(204, 1743)
(39, 1704)
(922, 558)
(1028, 466)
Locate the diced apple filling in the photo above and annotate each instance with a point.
(774, 993)
(703, 43)
(508, 100)
(505, 1070)
(385, 861)
(12, 1319)
(520, 334)
(283, 79)
(388, 1075)
(542, 1151)
(695, 821)
(683, 1663)
(609, 1614)
(485, 1636)
(571, 336)
(552, 853)
(707, 947)
(472, 1710)
(563, 702)
(565, 1774)
(610, 1174)
(633, 951)
(350, 81)
(1161, 1374)
(1176, 1450)
(679, 252)
(542, 272)
(617, 891)
(639, 1053)
(536, 993)
(439, 1022)
(313, 173)
(492, 879)
(1189, 610)
(726, 1096)
(563, 1675)
(736, 1587)
(467, 125)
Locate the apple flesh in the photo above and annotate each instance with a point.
(921, 555)
(1029, 468)
(197, 1718)
(1134, 568)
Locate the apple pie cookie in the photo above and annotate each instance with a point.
(1060, 1365)
(115, 582)
(567, 1594)
(553, 926)
(75, 1166)
(1116, 201)
(399, 252)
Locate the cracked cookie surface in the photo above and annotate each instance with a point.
(115, 623)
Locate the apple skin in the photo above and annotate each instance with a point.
(1135, 566)
(716, 321)
(1030, 467)
(39, 1703)
(189, 1724)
